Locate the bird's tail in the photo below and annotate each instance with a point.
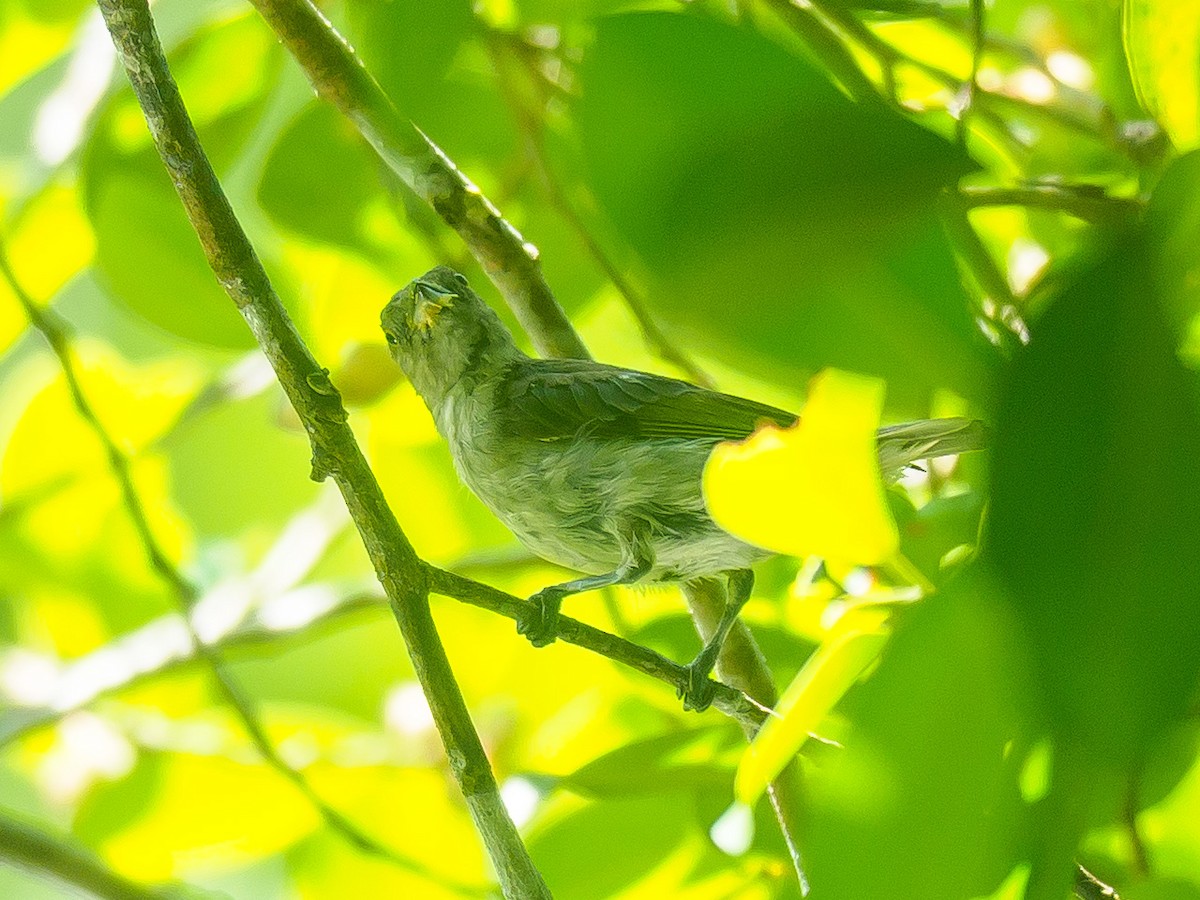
(902, 445)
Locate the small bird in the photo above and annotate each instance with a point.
(594, 467)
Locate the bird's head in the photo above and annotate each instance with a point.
(439, 330)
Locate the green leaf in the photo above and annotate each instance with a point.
(1161, 38)
(921, 801)
(320, 177)
(786, 227)
(682, 760)
(145, 247)
(636, 835)
(1173, 220)
(1096, 507)
(219, 488)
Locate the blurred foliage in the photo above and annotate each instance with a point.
(1041, 707)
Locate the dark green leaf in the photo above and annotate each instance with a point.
(1096, 507)
(780, 220)
(921, 801)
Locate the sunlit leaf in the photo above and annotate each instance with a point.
(1161, 37)
(74, 529)
(179, 813)
(812, 489)
(50, 243)
(848, 651)
(33, 33)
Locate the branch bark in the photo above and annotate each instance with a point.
(511, 262)
(319, 406)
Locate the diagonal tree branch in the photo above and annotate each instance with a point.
(319, 406)
(509, 260)
(184, 592)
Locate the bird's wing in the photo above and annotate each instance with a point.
(557, 399)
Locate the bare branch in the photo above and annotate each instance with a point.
(728, 700)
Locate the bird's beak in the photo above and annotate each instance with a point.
(430, 301)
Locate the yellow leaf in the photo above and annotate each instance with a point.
(1160, 39)
(27, 44)
(813, 489)
(853, 645)
(48, 245)
(51, 242)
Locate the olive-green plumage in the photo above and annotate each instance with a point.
(593, 467)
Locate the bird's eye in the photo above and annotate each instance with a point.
(391, 338)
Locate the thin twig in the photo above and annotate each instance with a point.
(978, 41)
(184, 592)
(734, 703)
(825, 42)
(839, 25)
(742, 663)
(43, 854)
(511, 262)
(1096, 126)
(530, 127)
(983, 266)
(336, 454)
(1085, 204)
(18, 723)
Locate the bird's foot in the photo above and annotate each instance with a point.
(697, 690)
(539, 621)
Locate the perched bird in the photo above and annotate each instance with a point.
(595, 467)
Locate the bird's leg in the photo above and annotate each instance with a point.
(540, 621)
(697, 691)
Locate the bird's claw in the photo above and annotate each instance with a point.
(697, 690)
(539, 622)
